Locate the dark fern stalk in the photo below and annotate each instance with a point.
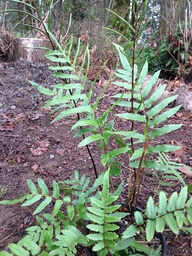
(71, 93)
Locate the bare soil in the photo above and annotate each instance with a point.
(31, 147)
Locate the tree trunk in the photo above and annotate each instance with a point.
(172, 13)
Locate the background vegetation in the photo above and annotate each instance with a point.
(169, 32)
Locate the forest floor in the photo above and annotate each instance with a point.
(31, 147)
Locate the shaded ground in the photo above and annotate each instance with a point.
(32, 147)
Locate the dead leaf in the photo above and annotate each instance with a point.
(17, 159)
(35, 167)
(60, 151)
(43, 145)
(35, 116)
(19, 116)
(186, 170)
(7, 126)
(3, 165)
(36, 152)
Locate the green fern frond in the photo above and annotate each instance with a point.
(103, 214)
(175, 212)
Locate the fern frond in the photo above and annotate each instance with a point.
(103, 215)
(175, 212)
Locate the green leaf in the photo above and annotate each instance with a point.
(33, 200)
(180, 218)
(112, 218)
(66, 99)
(99, 246)
(157, 93)
(162, 207)
(112, 208)
(105, 189)
(111, 200)
(145, 250)
(64, 68)
(150, 209)
(118, 151)
(89, 139)
(160, 106)
(97, 202)
(118, 191)
(187, 230)
(110, 235)
(189, 202)
(138, 218)
(162, 148)
(95, 237)
(15, 201)
(110, 243)
(31, 245)
(133, 117)
(171, 206)
(104, 159)
(67, 199)
(150, 230)
(4, 253)
(123, 58)
(122, 245)
(123, 84)
(147, 88)
(171, 222)
(189, 186)
(160, 224)
(70, 86)
(182, 198)
(32, 187)
(56, 59)
(162, 117)
(18, 250)
(42, 205)
(96, 228)
(72, 111)
(85, 122)
(115, 170)
(95, 219)
(164, 130)
(137, 153)
(42, 90)
(82, 131)
(65, 76)
(57, 207)
(130, 231)
(143, 74)
(111, 227)
(189, 215)
(96, 211)
(70, 211)
(43, 187)
(56, 192)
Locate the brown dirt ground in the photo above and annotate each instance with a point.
(32, 147)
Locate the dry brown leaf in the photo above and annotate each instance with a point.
(186, 170)
(36, 152)
(19, 116)
(35, 116)
(35, 167)
(7, 126)
(60, 151)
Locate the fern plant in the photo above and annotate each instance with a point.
(63, 230)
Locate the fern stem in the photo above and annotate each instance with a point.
(87, 146)
(134, 189)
